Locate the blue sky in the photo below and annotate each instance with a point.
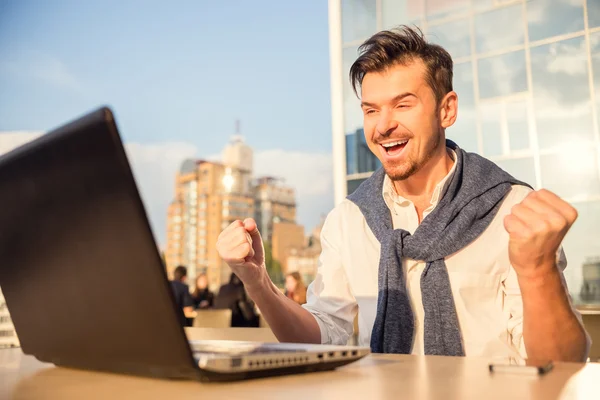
(176, 73)
(183, 70)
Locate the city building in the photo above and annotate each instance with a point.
(275, 215)
(211, 195)
(286, 236)
(8, 335)
(360, 162)
(238, 154)
(305, 260)
(274, 202)
(208, 197)
(8, 142)
(527, 74)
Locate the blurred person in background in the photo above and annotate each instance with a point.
(295, 288)
(183, 298)
(202, 296)
(233, 296)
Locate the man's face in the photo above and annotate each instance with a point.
(401, 119)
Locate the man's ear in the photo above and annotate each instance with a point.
(448, 109)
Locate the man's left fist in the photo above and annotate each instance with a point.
(536, 228)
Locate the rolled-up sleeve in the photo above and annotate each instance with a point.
(513, 303)
(329, 298)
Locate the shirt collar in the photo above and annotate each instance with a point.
(391, 197)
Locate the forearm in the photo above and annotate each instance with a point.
(289, 321)
(189, 312)
(551, 329)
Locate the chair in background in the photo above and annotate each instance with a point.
(220, 318)
(591, 321)
(353, 341)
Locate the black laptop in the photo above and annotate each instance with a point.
(82, 274)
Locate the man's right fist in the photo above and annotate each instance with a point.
(241, 247)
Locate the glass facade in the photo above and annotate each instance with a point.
(527, 74)
(359, 158)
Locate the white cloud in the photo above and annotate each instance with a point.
(549, 108)
(311, 174)
(568, 59)
(491, 29)
(535, 15)
(154, 167)
(594, 42)
(502, 74)
(13, 139)
(538, 11)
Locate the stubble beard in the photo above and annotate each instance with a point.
(411, 166)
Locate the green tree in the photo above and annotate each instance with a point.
(273, 266)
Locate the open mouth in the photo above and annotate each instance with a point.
(394, 148)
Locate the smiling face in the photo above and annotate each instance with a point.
(403, 123)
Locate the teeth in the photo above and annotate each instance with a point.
(392, 144)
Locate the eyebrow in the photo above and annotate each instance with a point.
(394, 100)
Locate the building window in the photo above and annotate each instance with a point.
(490, 29)
(526, 98)
(454, 36)
(502, 75)
(553, 18)
(561, 93)
(359, 19)
(353, 184)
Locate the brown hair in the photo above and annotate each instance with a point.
(299, 295)
(402, 46)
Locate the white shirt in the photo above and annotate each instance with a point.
(484, 285)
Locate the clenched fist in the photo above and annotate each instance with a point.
(536, 228)
(241, 247)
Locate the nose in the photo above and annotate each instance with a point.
(386, 124)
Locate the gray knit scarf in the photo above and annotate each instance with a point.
(468, 205)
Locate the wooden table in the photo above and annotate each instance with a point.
(375, 377)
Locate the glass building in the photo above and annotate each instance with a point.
(527, 74)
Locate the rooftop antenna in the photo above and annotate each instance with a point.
(237, 137)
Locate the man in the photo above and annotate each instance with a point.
(183, 298)
(461, 258)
